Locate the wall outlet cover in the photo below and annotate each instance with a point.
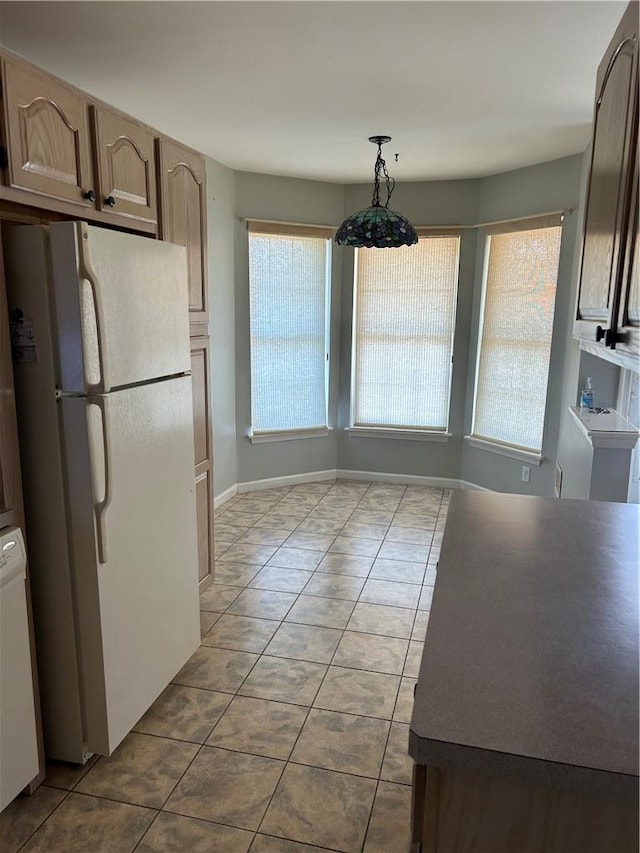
(557, 481)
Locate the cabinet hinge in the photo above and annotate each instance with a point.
(4, 160)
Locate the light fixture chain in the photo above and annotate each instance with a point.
(376, 177)
(390, 182)
(381, 167)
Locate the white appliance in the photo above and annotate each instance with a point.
(18, 739)
(100, 343)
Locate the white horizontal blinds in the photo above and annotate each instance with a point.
(517, 324)
(404, 323)
(288, 298)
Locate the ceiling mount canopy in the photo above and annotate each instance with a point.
(377, 227)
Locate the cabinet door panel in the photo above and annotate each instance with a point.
(183, 216)
(47, 135)
(204, 514)
(126, 165)
(200, 389)
(609, 184)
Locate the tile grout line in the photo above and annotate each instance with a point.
(344, 630)
(287, 762)
(416, 611)
(390, 721)
(45, 819)
(311, 705)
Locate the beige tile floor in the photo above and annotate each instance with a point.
(287, 730)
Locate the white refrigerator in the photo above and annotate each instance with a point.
(100, 344)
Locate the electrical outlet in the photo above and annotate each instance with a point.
(526, 471)
(557, 484)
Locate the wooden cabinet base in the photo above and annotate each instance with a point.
(454, 812)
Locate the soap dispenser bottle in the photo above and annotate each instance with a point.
(586, 395)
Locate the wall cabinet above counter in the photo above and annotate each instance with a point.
(61, 146)
(182, 185)
(608, 309)
(125, 165)
(66, 152)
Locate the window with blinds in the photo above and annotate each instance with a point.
(288, 305)
(521, 272)
(404, 320)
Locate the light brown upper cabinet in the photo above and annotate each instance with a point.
(605, 277)
(126, 165)
(46, 131)
(183, 216)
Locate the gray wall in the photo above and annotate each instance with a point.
(605, 378)
(574, 452)
(233, 197)
(524, 192)
(220, 217)
(427, 203)
(288, 200)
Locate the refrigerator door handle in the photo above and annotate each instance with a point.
(100, 507)
(87, 272)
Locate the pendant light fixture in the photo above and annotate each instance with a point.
(377, 227)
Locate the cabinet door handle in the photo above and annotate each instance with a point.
(600, 333)
(110, 201)
(89, 195)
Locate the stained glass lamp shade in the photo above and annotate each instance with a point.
(377, 227)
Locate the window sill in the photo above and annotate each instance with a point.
(288, 435)
(395, 432)
(528, 456)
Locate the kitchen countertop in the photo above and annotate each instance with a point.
(530, 665)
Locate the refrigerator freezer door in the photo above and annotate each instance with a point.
(132, 506)
(122, 307)
(43, 477)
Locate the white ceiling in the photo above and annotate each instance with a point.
(465, 89)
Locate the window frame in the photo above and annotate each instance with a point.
(442, 434)
(530, 456)
(287, 229)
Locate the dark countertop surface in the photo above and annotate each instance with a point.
(530, 665)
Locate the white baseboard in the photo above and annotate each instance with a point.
(343, 474)
(290, 480)
(402, 479)
(464, 484)
(225, 496)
